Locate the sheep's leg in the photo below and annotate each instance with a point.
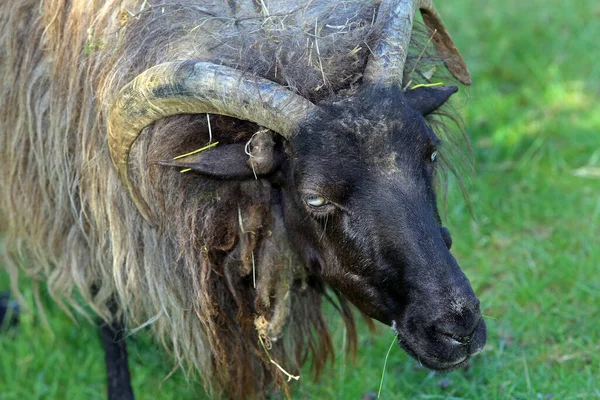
(117, 369)
(9, 311)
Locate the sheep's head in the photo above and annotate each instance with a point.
(355, 176)
(364, 215)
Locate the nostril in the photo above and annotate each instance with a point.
(446, 237)
(457, 334)
(460, 339)
(476, 305)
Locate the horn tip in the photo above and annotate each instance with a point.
(463, 77)
(138, 201)
(459, 70)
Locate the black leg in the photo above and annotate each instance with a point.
(117, 369)
(9, 311)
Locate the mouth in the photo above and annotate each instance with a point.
(441, 352)
(432, 362)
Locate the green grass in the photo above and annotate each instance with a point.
(532, 253)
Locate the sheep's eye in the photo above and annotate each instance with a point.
(433, 156)
(315, 201)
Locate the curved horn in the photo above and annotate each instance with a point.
(193, 87)
(386, 64)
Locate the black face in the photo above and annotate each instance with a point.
(359, 202)
(363, 209)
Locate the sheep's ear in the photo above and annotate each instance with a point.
(230, 161)
(427, 99)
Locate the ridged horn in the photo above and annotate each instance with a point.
(194, 87)
(386, 64)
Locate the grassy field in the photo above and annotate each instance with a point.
(532, 253)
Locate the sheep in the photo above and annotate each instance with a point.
(315, 178)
